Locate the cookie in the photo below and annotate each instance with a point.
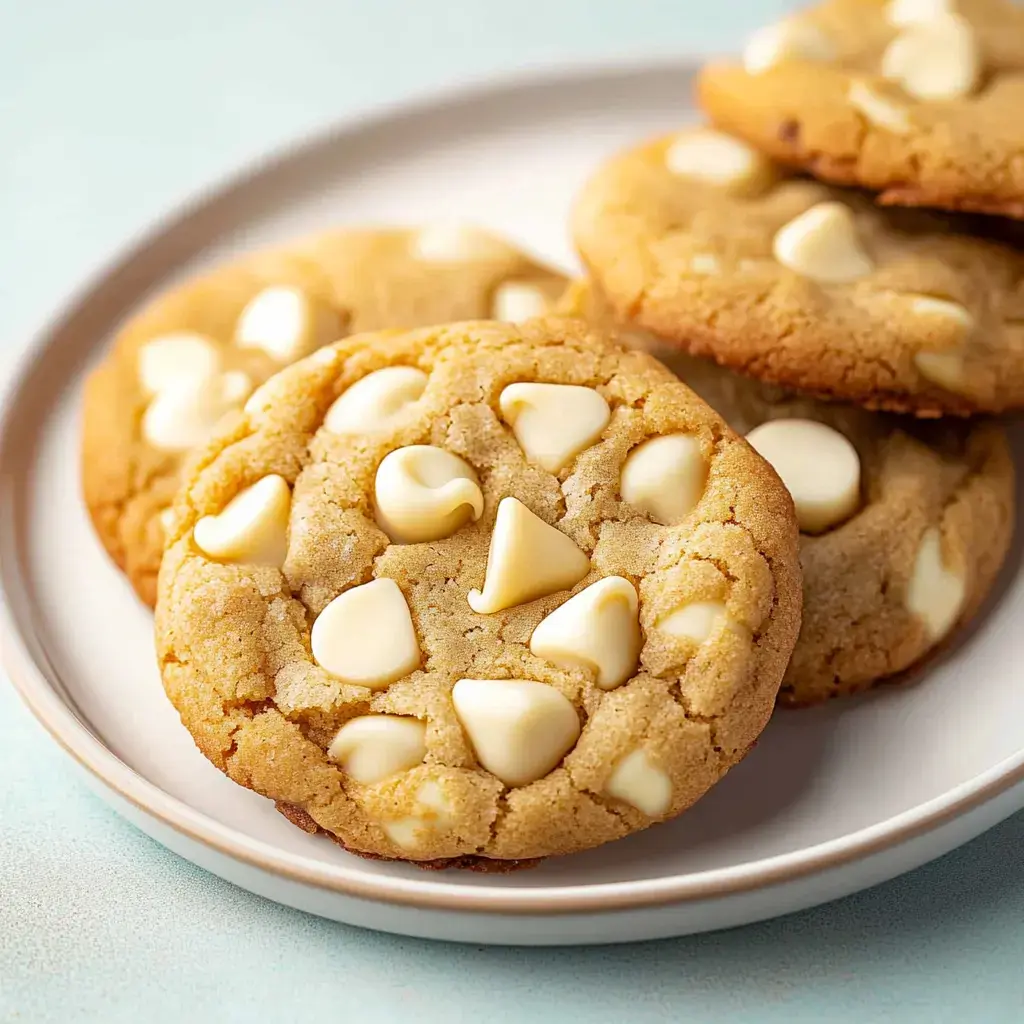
(478, 591)
(711, 246)
(919, 100)
(200, 350)
(904, 523)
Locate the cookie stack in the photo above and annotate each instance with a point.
(735, 243)
(465, 564)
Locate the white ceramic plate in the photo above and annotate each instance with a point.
(831, 800)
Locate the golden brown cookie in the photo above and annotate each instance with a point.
(199, 351)
(703, 241)
(904, 524)
(478, 591)
(918, 99)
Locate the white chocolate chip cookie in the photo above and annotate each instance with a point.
(805, 285)
(484, 636)
(919, 100)
(904, 524)
(196, 354)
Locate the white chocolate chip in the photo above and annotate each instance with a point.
(879, 111)
(172, 361)
(365, 636)
(599, 629)
(261, 398)
(324, 356)
(906, 12)
(424, 493)
(943, 368)
(252, 529)
(665, 477)
(286, 323)
(432, 797)
(236, 386)
(553, 423)
(822, 244)
(516, 301)
(166, 520)
(638, 781)
(375, 403)
(717, 159)
(182, 373)
(433, 811)
(706, 264)
(519, 729)
(748, 265)
(926, 305)
(790, 39)
(936, 59)
(405, 832)
(527, 559)
(185, 416)
(935, 593)
(695, 621)
(456, 243)
(373, 747)
(818, 465)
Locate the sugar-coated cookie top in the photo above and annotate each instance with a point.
(479, 590)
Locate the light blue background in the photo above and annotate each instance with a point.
(111, 112)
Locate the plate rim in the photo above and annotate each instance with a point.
(57, 716)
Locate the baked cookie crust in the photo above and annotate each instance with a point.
(714, 248)
(917, 101)
(637, 705)
(944, 487)
(341, 282)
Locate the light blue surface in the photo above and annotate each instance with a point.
(109, 113)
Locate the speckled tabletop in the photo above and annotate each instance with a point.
(111, 111)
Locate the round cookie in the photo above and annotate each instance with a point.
(484, 626)
(703, 241)
(199, 350)
(904, 523)
(918, 99)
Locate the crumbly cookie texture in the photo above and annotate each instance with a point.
(904, 523)
(198, 352)
(708, 244)
(472, 645)
(918, 99)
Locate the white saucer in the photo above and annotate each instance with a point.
(832, 800)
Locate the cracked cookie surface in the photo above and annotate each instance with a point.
(917, 99)
(198, 351)
(911, 558)
(459, 640)
(708, 244)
